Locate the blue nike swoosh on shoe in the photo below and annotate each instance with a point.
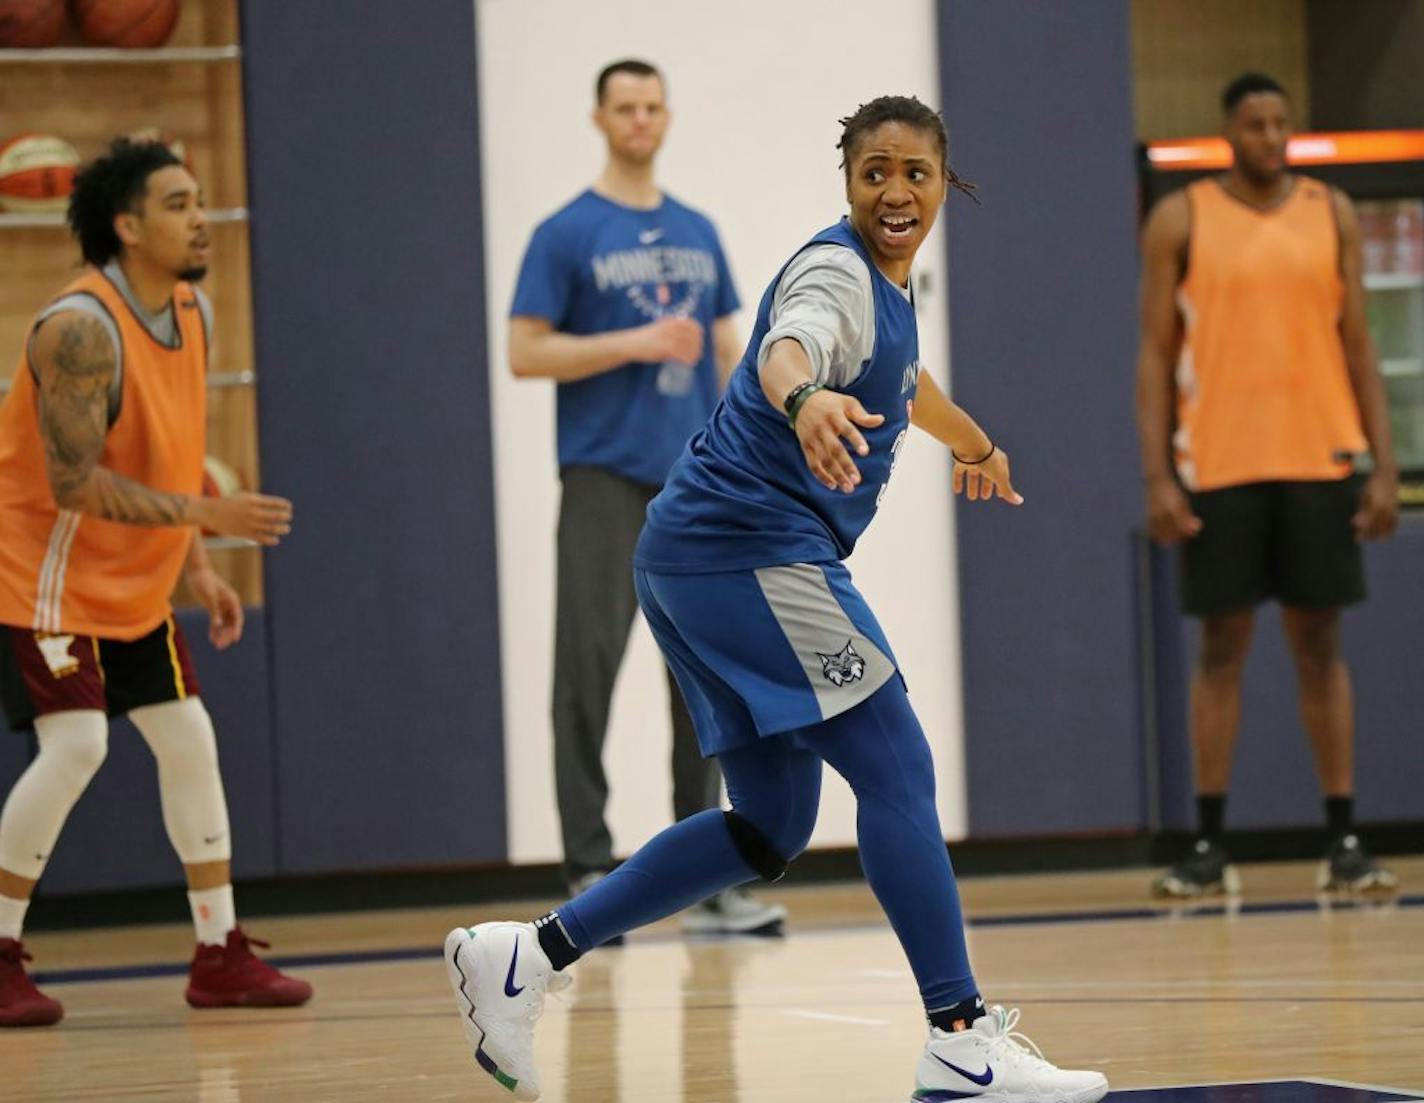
(983, 1080)
(511, 991)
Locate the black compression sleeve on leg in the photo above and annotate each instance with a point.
(754, 848)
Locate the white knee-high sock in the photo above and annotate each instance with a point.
(180, 734)
(72, 747)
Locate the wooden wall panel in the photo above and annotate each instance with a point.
(1183, 54)
(88, 104)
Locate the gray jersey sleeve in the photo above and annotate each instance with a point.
(87, 304)
(205, 308)
(825, 302)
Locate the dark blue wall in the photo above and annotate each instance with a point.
(1273, 783)
(364, 181)
(1043, 336)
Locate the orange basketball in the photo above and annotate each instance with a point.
(132, 24)
(36, 173)
(31, 24)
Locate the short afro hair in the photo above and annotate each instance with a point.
(1248, 84)
(107, 187)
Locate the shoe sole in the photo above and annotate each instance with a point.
(1377, 883)
(35, 1018)
(462, 985)
(1173, 888)
(1087, 1095)
(203, 1001)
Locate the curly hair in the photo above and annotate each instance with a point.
(899, 109)
(108, 186)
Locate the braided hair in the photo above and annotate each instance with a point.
(899, 109)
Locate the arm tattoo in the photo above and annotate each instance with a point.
(74, 420)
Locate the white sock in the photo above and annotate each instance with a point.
(12, 916)
(213, 914)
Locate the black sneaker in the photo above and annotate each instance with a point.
(1349, 868)
(1206, 871)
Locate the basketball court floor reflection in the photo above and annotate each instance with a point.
(1277, 1001)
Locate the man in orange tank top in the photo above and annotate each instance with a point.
(101, 455)
(1257, 390)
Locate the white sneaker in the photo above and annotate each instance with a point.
(992, 1063)
(499, 975)
(734, 911)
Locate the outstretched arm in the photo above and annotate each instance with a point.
(74, 359)
(988, 466)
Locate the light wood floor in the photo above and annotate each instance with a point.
(828, 1014)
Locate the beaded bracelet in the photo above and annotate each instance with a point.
(797, 398)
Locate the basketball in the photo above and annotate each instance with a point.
(175, 145)
(31, 24)
(36, 173)
(131, 24)
(219, 479)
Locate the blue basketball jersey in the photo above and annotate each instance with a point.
(597, 266)
(741, 496)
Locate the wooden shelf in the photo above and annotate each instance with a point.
(228, 543)
(100, 55)
(1393, 281)
(217, 380)
(19, 221)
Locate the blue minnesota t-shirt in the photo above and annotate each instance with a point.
(596, 266)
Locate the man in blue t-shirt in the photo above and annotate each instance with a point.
(617, 297)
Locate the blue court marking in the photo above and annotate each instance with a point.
(1050, 919)
(1280, 1091)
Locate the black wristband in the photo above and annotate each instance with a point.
(797, 397)
(975, 463)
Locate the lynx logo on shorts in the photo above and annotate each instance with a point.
(842, 667)
(55, 650)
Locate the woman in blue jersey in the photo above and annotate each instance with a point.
(739, 572)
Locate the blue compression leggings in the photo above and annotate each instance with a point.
(775, 784)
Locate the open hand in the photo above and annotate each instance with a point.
(825, 424)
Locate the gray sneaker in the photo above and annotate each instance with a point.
(1347, 867)
(734, 911)
(1206, 871)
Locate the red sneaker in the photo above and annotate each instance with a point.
(21, 1003)
(233, 976)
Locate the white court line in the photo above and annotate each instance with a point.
(1322, 1080)
(1362, 1087)
(1150, 985)
(826, 1016)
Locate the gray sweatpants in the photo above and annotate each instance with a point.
(600, 516)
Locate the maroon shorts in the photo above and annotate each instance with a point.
(41, 673)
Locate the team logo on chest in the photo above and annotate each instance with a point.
(842, 667)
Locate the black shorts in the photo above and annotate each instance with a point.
(1290, 541)
(43, 672)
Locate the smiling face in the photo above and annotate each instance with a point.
(895, 184)
(168, 226)
(1258, 130)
